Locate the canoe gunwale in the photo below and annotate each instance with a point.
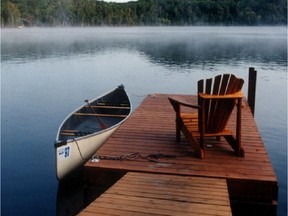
(59, 143)
(77, 149)
(65, 142)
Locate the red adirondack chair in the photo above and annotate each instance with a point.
(216, 100)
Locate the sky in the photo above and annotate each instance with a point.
(119, 1)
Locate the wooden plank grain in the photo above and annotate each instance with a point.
(151, 130)
(157, 194)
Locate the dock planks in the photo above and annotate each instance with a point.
(151, 129)
(158, 194)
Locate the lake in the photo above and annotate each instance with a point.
(48, 72)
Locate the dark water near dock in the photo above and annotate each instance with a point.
(48, 72)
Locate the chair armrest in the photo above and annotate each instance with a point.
(178, 103)
(228, 96)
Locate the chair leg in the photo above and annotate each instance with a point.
(242, 152)
(199, 150)
(195, 144)
(235, 145)
(178, 133)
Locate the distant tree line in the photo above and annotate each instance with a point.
(142, 12)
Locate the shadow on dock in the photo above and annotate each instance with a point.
(75, 193)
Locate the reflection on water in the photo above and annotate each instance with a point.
(48, 72)
(70, 196)
(176, 46)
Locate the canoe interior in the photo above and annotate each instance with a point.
(111, 109)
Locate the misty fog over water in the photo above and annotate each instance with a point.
(159, 43)
(48, 72)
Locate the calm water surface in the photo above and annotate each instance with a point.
(47, 73)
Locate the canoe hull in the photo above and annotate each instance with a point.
(76, 152)
(80, 135)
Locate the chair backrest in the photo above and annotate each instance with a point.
(218, 111)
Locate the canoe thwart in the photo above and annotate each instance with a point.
(75, 133)
(100, 115)
(110, 107)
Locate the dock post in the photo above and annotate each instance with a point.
(252, 88)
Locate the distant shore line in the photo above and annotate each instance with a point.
(143, 12)
(134, 26)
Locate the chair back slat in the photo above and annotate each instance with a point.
(224, 82)
(208, 88)
(234, 86)
(200, 85)
(210, 111)
(216, 85)
(225, 106)
(217, 111)
(220, 86)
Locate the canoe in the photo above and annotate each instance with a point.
(84, 130)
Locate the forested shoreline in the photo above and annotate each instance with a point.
(142, 12)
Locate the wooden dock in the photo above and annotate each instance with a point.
(158, 194)
(251, 181)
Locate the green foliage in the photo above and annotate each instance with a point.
(11, 13)
(143, 12)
